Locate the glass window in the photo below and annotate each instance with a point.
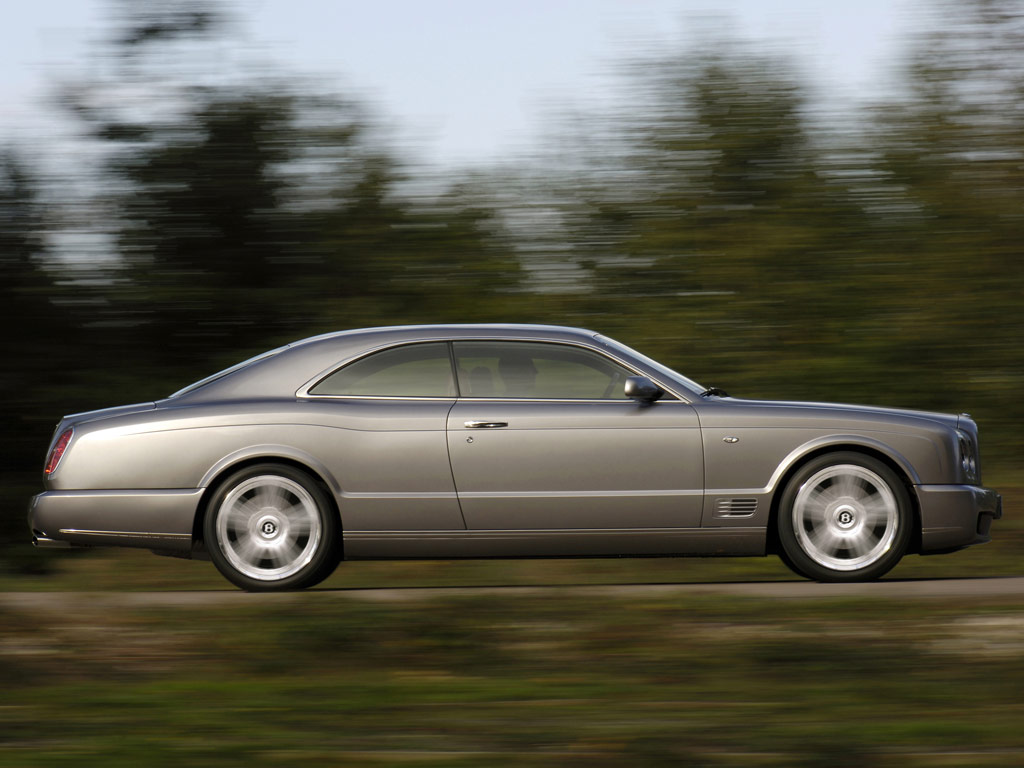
(415, 370)
(664, 370)
(531, 370)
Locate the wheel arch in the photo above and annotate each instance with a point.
(283, 455)
(873, 449)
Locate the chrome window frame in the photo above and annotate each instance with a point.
(303, 391)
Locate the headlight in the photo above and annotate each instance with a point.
(968, 456)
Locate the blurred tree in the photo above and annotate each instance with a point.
(720, 235)
(257, 212)
(414, 261)
(36, 348)
(231, 244)
(211, 249)
(36, 329)
(722, 228)
(948, 204)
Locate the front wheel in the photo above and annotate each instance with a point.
(271, 527)
(844, 517)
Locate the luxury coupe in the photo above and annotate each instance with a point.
(502, 441)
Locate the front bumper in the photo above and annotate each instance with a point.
(151, 519)
(956, 516)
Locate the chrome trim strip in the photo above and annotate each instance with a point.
(949, 488)
(516, 494)
(573, 494)
(130, 492)
(125, 534)
(447, 398)
(497, 533)
(400, 495)
(624, 400)
(943, 529)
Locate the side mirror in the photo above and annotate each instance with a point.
(643, 390)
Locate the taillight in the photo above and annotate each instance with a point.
(58, 450)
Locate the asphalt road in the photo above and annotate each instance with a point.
(785, 590)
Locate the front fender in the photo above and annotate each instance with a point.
(841, 443)
(745, 468)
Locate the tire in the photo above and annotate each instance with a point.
(788, 562)
(844, 517)
(271, 527)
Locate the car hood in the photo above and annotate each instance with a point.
(848, 410)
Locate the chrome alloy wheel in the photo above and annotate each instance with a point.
(269, 527)
(845, 517)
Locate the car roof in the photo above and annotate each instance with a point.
(454, 330)
(282, 372)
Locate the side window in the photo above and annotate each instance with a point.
(415, 370)
(536, 370)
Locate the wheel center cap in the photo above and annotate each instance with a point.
(845, 518)
(268, 526)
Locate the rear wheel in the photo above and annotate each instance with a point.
(844, 517)
(271, 527)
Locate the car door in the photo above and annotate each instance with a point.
(543, 438)
(386, 444)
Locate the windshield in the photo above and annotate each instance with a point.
(228, 371)
(664, 370)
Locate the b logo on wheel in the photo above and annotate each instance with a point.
(269, 528)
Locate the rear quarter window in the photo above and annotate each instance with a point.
(414, 370)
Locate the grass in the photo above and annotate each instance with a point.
(550, 678)
(531, 680)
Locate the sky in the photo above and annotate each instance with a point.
(468, 81)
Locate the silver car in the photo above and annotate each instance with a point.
(502, 440)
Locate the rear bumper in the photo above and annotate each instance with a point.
(956, 516)
(150, 519)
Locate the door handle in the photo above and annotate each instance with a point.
(485, 424)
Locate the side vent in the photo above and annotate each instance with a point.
(735, 507)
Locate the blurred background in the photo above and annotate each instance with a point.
(816, 201)
(789, 199)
